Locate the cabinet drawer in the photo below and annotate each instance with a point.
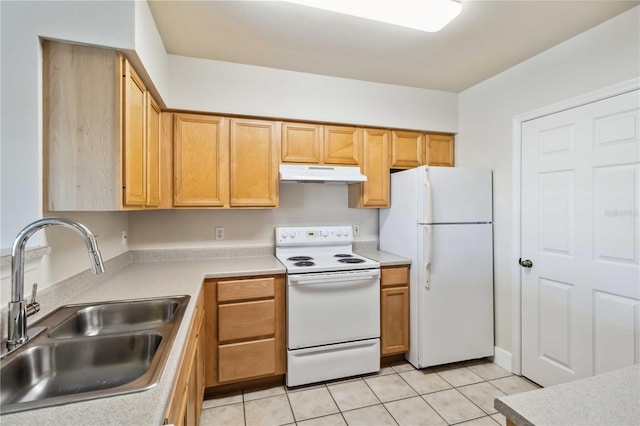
(246, 320)
(256, 288)
(246, 360)
(394, 276)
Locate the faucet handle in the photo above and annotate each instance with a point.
(33, 307)
(34, 292)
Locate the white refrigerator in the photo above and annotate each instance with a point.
(441, 219)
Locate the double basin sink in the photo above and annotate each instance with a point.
(89, 351)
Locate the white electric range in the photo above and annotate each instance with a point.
(333, 304)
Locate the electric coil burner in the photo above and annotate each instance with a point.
(351, 260)
(299, 258)
(333, 305)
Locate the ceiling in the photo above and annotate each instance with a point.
(485, 39)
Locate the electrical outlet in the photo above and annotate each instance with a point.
(219, 233)
(356, 230)
(124, 237)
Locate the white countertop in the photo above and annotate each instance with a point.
(606, 399)
(141, 280)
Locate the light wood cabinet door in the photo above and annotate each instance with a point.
(153, 153)
(301, 143)
(394, 310)
(188, 392)
(342, 145)
(375, 165)
(254, 153)
(134, 138)
(439, 149)
(406, 149)
(201, 146)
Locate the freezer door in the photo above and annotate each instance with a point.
(454, 293)
(455, 195)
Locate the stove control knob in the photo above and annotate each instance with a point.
(346, 232)
(283, 234)
(325, 233)
(292, 234)
(338, 232)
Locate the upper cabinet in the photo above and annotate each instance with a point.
(108, 145)
(375, 165)
(439, 149)
(341, 145)
(413, 149)
(319, 144)
(406, 149)
(201, 160)
(254, 147)
(301, 143)
(222, 162)
(101, 143)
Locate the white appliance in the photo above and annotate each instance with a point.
(441, 218)
(333, 304)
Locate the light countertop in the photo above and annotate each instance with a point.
(162, 276)
(607, 399)
(141, 280)
(385, 259)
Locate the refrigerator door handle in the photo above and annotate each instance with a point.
(427, 262)
(428, 209)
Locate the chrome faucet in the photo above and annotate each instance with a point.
(19, 310)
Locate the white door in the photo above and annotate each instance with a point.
(581, 230)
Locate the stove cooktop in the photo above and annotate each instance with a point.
(318, 249)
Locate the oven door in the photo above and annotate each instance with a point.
(332, 307)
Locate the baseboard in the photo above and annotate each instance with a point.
(502, 358)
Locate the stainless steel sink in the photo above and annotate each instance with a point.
(118, 317)
(91, 351)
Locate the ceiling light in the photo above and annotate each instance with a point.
(423, 15)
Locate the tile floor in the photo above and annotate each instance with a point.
(460, 394)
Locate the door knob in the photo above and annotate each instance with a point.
(525, 263)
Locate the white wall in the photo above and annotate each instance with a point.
(150, 53)
(102, 23)
(300, 204)
(602, 56)
(69, 252)
(206, 85)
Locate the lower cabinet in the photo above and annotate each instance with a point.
(394, 310)
(245, 325)
(188, 391)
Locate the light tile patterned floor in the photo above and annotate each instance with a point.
(460, 394)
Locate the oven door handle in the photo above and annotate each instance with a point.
(330, 278)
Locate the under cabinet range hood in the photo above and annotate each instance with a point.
(320, 174)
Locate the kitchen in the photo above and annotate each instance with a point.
(483, 135)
